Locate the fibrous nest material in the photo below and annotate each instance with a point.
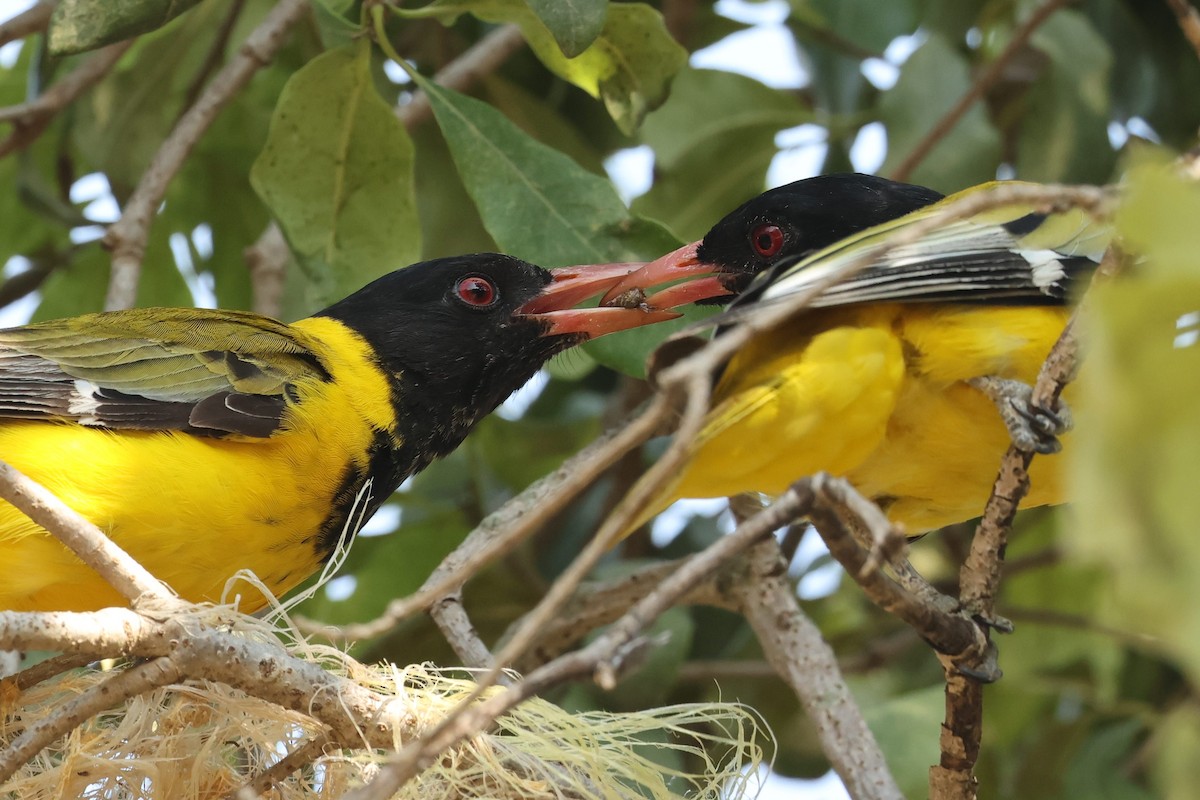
(200, 739)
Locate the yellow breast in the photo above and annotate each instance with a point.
(876, 394)
(195, 510)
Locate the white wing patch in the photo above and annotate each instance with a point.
(82, 404)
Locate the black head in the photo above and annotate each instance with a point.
(449, 333)
(458, 335)
(793, 220)
(783, 223)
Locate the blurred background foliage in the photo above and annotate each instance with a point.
(623, 130)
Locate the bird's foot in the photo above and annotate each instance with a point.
(987, 670)
(1033, 428)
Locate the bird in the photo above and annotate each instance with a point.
(910, 378)
(204, 442)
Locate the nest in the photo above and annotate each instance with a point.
(201, 739)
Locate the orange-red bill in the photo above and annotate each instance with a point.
(691, 279)
(571, 285)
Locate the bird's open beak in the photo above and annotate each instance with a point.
(571, 285)
(692, 280)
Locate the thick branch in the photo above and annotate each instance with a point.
(794, 647)
(355, 715)
(128, 236)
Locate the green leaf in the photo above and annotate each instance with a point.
(121, 122)
(1091, 772)
(906, 727)
(541, 206)
(542, 121)
(705, 163)
(629, 65)
(450, 225)
(1064, 134)
(80, 25)
(336, 173)
(1134, 455)
(1175, 769)
(690, 197)
(574, 23)
(77, 288)
(868, 24)
(931, 81)
(686, 121)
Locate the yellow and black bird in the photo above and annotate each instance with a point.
(895, 378)
(205, 442)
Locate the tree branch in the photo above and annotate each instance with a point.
(475, 63)
(272, 775)
(794, 647)
(128, 236)
(1189, 21)
(30, 120)
(978, 88)
(604, 658)
(979, 578)
(83, 538)
(32, 20)
(504, 528)
(74, 712)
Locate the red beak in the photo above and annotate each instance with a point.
(700, 281)
(570, 285)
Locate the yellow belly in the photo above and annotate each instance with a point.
(876, 394)
(193, 510)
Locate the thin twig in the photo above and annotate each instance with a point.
(979, 579)
(475, 63)
(32, 20)
(44, 670)
(128, 236)
(30, 119)
(83, 538)
(452, 620)
(74, 712)
(604, 658)
(978, 88)
(216, 51)
(602, 603)
(920, 606)
(269, 778)
(1189, 21)
(499, 532)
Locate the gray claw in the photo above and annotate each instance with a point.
(1032, 428)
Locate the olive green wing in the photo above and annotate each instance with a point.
(195, 370)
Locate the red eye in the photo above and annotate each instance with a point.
(767, 240)
(476, 291)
